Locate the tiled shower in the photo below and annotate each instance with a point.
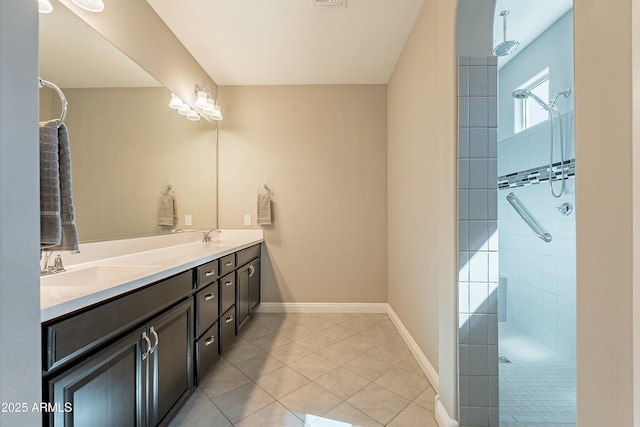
(516, 292)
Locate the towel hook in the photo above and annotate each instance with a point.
(264, 187)
(166, 189)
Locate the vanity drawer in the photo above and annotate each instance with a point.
(206, 308)
(227, 291)
(206, 351)
(227, 329)
(227, 264)
(246, 255)
(207, 273)
(69, 338)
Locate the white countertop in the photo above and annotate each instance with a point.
(116, 267)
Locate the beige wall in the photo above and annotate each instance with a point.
(422, 191)
(322, 150)
(126, 144)
(603, 120)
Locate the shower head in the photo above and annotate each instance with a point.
(507, 46)
(524, 94)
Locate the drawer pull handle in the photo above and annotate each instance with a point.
(228, 263)
(228, 283)
(209, 273)
(209, 297)
(155, 335)
(209, 341)
(148, 341)
(229, 320)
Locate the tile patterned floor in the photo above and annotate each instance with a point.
(538, 389)
(313, 370)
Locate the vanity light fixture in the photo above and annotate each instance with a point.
(209, 109)
(184, 110)
(193, 116)
(175, 103)
(217, 112)
(201, 99)
(205, 101)
(44, 6)
(90, 5)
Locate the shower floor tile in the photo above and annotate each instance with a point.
(538, 387)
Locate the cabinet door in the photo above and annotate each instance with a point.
(242, 302)
(171, 360)
(106, 390)
(254, 284)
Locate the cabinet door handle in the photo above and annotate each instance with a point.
(209, 297)
(209, 273)
(209, 341)
(228, 283)
(228, 264)
(148, 341)
(252, 270)
(229, 320)
(155, 335)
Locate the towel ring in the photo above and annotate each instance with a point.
(63, 99)
(264, 187)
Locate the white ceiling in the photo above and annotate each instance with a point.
(251, 42)
(245, 42)
(526, 21)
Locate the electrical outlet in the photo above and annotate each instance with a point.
(188, 220)
(247, 220)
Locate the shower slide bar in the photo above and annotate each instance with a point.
(524, 213)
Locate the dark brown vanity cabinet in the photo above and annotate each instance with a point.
(125, 362)
(134, 382)
(248, 289)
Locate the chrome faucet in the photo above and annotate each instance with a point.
(45, 268)
(206, 236)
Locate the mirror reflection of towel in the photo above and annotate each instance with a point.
(167, 214)
(264, 209)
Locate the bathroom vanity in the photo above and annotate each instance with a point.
(129, 354)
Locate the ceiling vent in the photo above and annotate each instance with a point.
(323, 4)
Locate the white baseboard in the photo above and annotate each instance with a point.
(442, 416)
(427, 367)
(320, 307)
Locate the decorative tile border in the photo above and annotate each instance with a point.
(537, 175)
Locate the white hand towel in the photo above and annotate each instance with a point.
(167, 214)
(264, 209)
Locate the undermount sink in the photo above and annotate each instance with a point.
(94, 276)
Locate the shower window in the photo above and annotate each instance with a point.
(528, 112)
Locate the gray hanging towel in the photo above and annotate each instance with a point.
(50, 219)
(264, 209)
(167, 214)
(69, 232)
(57, 216)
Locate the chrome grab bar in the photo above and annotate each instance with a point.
(524, 213)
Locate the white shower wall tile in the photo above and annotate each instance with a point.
(540, 276)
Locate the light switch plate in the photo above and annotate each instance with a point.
(188, 220)
(247, 220)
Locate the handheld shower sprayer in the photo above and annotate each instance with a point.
(550, 107)
(524, 94)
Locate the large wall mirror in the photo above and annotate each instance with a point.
(126, 143)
